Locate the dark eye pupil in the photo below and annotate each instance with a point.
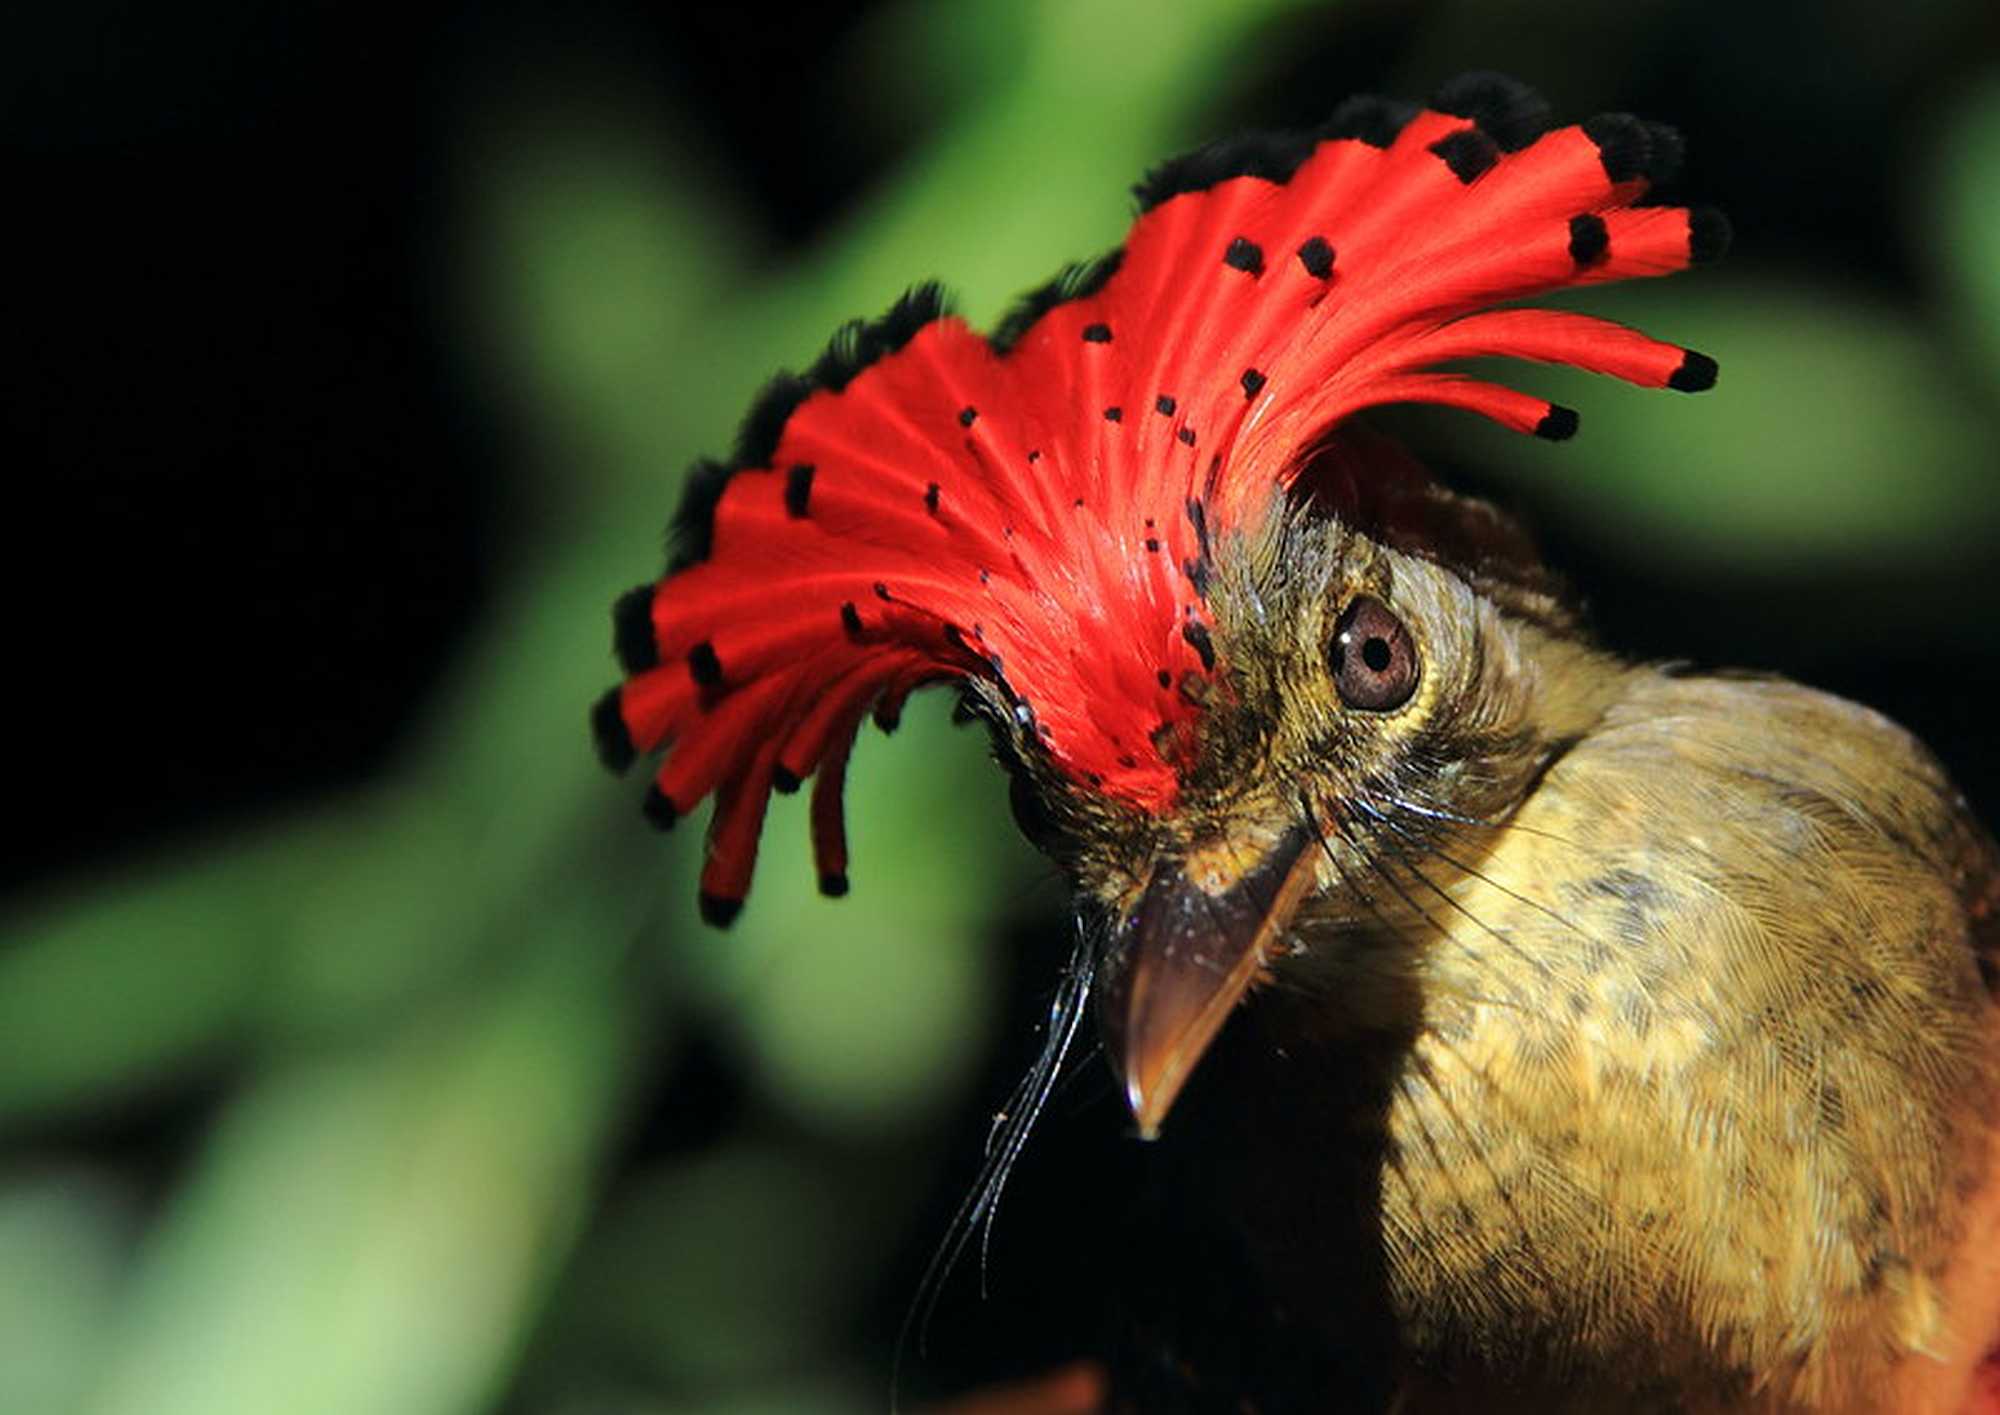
(1380, 674)
(1029, 813)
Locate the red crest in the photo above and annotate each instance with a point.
(1034, 508)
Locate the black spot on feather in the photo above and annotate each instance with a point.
(1468, 152)
(798, 490)
(784, 780)
(833, 884)
(1197, 515)
(632, 630)
(1316, 255)
(931, 498)
(1164, 406)
(967, 416)
(1589, 240)
(1506, 110)
(1245, 255)
(850, 620)
(607, 726)
(703, 666)
(1114, 414)
(1074, 282)
(1097, 334)
(853, 347)
(1186, 434)
(1252, 381)
(1197, 636)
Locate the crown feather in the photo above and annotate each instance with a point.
(1034, 510)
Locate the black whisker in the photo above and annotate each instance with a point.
(1410, 901)
(1368, 900)
(1409, 863)
(1431, 848)
(1347, 881)
(1003, 1149)
(1430, 810)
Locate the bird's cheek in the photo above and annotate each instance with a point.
(1183, 957)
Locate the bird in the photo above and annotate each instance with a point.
(1515, 1025)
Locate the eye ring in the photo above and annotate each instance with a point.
(1372, 657)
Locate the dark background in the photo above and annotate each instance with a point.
(268, 489)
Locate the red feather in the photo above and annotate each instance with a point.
(929, 504)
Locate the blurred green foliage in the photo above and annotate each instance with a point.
(435, 996)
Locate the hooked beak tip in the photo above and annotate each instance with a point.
(1191, 952)
(1148, 1116)
(1149, 1104)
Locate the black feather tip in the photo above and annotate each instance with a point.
(854, 347)
(719, 910)
(1469, 153)
(1622, 144)
(659, 809)
(862, 342)
(1506, 110)
(692, 531)
(1272, 156)
(1708, 235)
(703, 665)
(1075, 282)
(607, 727)
(1695, 375)
(1558, 424)
(1589, 239)
(632, 630)
(1375, 121)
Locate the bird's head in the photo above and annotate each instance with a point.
(1233, 646)
(1358, 701)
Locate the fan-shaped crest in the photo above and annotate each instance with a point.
(1036, 508)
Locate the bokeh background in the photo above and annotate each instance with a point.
(359, 1051)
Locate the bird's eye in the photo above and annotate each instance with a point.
(1029, 813)
(1373, 659)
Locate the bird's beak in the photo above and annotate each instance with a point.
(1185, 954)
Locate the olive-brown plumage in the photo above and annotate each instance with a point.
(1642, 1021)
(1520, 1027)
